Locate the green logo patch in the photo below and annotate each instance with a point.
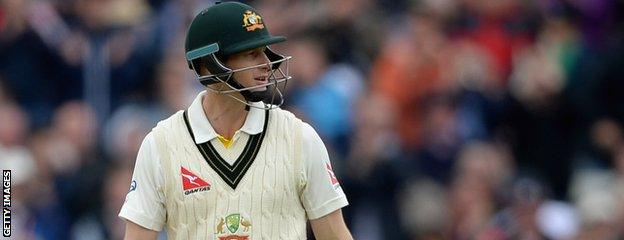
(233, 222)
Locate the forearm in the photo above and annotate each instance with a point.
(331, 227)
(136, 232)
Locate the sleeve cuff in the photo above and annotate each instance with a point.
(140, 219)
(328, 207)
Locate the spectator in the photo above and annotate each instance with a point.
(372, 172)
(322, 84)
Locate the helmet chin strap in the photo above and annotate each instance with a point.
(250, 96)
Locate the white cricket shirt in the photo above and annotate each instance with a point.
(145, 203)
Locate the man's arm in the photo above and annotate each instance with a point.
(330, 227)
(136, 232)
(322, 196)
(144, 210)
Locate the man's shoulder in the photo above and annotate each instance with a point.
(283, 113)
(286, 117)
(170, 120)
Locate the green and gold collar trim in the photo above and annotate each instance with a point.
(231, 174)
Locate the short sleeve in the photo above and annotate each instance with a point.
(322, 193)
(144, 204)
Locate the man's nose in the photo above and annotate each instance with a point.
(266, 63)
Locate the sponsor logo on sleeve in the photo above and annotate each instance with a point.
(133, 186)
(332, 176)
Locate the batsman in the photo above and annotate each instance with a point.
(234, 165)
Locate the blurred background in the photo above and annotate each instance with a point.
(445, 119)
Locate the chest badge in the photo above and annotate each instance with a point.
(233, 227)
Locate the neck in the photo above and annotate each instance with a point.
(226, 115)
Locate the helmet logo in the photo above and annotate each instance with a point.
(252, 21)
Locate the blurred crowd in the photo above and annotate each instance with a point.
(445, 119)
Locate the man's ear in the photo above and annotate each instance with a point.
(200, 67)
(196, 65)
(214, 64)
(203, 70)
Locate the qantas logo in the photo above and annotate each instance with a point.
(332, 176)
(191, 183)
(191, 179)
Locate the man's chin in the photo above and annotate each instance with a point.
(262, 89)
(257, 95)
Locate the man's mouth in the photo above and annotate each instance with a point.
(261, 78)
(261, 81)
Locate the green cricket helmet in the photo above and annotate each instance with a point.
(225, 29)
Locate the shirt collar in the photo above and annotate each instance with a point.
(204, 132)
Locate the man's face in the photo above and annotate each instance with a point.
(251, 77)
